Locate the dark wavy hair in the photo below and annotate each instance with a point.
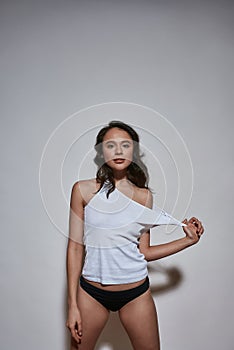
(137, 171)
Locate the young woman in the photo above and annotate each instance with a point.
(109, 244)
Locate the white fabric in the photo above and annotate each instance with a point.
(112, 227)
(116, 265)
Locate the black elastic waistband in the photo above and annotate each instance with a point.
(144, 285)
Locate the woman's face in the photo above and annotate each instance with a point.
(117, 148)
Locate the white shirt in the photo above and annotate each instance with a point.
(112, 227)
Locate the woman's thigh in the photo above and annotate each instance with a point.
(139, 318)
(93, 316)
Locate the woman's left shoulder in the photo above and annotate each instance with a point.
(145, 196)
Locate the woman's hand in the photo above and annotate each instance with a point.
(193, 230)
(74, 323)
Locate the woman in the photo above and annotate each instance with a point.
(109, 245)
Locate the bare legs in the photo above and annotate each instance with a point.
(138, 317)
(94, 317)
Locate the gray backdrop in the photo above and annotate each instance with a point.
(58, 57)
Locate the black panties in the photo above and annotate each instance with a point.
(114, 300)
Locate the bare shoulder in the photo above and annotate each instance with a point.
(88, 183)
(145, 197)
(84, 189)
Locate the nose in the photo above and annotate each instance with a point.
(118, 149)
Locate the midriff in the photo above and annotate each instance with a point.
(116, 287)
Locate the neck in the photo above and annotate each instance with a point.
(120, 175)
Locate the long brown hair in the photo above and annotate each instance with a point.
(137, 171)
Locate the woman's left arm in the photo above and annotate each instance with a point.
(193, 232)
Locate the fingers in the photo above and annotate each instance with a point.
(201, 231)
(195, 222)
(76, 331)
(198, 224)
(79, 330)
(185, 221)
(76, 334)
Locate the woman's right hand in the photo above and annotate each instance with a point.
(74, 323)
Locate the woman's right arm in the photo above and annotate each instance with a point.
(75, 260)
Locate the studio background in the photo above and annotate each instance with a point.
(58, 57)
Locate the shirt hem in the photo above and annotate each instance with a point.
(122, 280)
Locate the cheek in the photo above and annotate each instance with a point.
(108, 154)
(129, 154)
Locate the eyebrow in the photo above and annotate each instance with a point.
(129, 141)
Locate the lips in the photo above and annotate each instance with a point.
(119, 160)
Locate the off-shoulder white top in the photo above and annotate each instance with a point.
(112, 227)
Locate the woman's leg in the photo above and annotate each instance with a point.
(93, 316)
(139, 318)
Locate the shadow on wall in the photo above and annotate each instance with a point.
(114, 337)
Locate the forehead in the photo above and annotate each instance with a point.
(116, 133)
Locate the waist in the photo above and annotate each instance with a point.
(116, 287)
(112, 267)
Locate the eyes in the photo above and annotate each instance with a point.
(111, 145)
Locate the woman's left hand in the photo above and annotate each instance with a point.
(193, 230)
